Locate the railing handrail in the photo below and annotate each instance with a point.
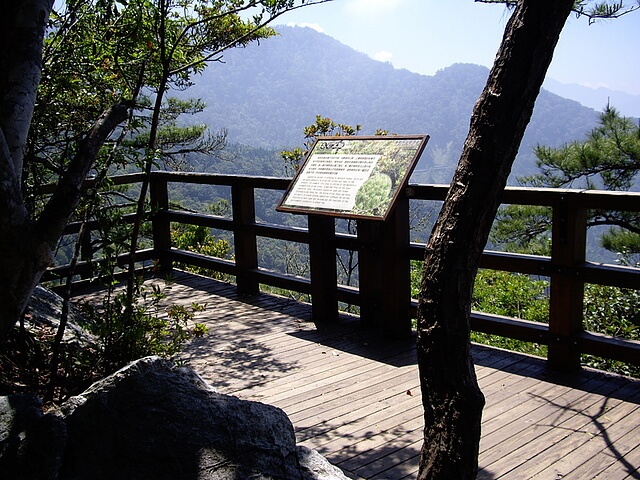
(384, 291)
(542, 196)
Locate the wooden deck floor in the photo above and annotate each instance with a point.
(357, 400)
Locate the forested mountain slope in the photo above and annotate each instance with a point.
(265, 94)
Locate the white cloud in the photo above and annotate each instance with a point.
(315, 26)
(383, 56)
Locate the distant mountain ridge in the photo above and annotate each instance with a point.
(265, 94)
(597, 98)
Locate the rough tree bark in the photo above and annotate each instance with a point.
(452, 400)
(26, 244)
(22, 28)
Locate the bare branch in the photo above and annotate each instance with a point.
(582, 8)
(63, 202)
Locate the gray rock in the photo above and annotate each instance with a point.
(31, 443)
(45, 309)
(315, 467)
(153, 420)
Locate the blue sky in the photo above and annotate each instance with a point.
(425, 36)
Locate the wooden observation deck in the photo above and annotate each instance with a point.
(356, 398)
(350, 384)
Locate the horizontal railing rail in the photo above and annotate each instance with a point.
(384, 255)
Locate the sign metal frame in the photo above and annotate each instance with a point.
(353, 177)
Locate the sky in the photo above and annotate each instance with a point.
(425, 36)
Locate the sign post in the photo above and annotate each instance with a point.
(361, 178)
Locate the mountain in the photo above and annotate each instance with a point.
(265, 94)
(598, 98)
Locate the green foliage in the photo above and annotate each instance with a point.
(323, 126)
(128, 327)
(609, 158)
(511, 294)
(592, 9)
(596, 9)
(198, 239)
(373, 195)
(170, 41)
(507, 294)
(615, 312)
(200, 330)
(416, 277)
(100, 53)
(175, 141)
(625, 243)
(130, 331)
(523, 229)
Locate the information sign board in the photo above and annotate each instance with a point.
(353, 177)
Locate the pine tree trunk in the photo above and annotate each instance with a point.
(452, 399)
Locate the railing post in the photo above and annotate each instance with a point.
(161, 229)
(244, 239)
(385, 278)
(568, 247)
(322, 263)
(86, 250)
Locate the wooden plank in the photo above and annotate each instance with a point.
(628, 464)
(595, 454)
(387, 401)
(332, 378)
(396, 419)
(562, 421)
(351, 394)
(346, 393)
(515, 413)
(394, 455)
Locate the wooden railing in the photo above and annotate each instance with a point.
(384, 254)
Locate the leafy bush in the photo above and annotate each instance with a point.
(615, 312)
(373, 197)
(198, 239)
(127, 332)
(512, 295)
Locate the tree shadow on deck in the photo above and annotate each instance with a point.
(350, 337)
(601, 427)
(263, 312)
(242, 364)
(588, 380)
(391, 453)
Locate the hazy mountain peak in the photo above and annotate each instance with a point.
(266, 93)
(597, 98)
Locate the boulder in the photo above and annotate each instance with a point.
(157, 421)
(153, 420)
(31, 442)
(315, 467)
(45, 310)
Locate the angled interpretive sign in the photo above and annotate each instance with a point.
(353, 177)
